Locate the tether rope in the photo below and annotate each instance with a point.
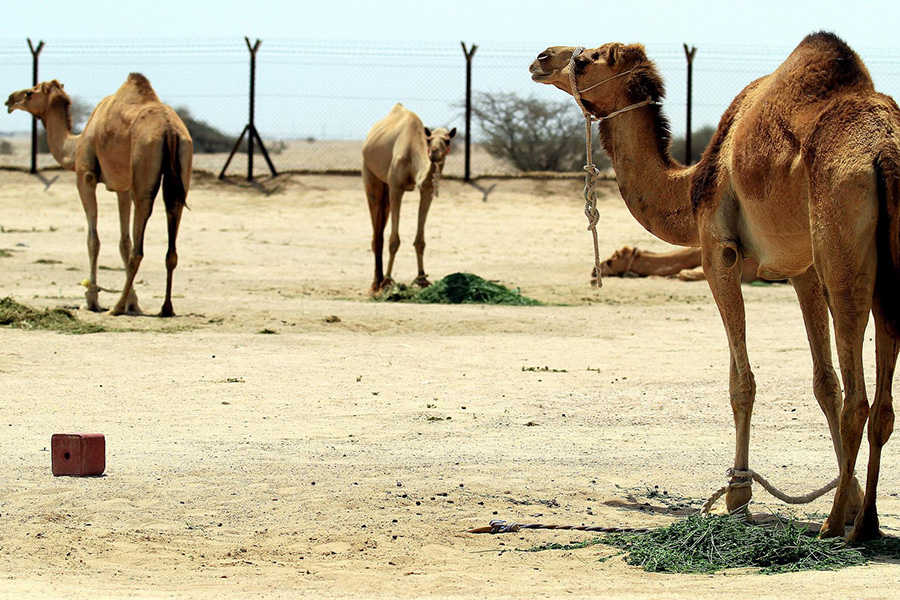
(750, 475)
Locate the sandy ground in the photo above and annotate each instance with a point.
(345, 459)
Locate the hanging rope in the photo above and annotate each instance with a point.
(592, 173)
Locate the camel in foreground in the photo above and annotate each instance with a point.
(132, 143)
(803, 175)
(400, 154)
(683, 263)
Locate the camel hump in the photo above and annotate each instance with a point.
(137, 88)
(832, 55)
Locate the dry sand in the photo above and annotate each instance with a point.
(344, 459)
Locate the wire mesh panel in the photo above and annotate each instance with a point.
(316, 100)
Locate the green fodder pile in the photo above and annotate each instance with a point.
(19, 316)
(457, 288)
(705, 544)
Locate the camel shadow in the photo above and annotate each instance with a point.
(47, 182)
(484, 190)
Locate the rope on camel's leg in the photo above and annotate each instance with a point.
(750, 475)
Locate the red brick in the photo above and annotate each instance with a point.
(78, 454)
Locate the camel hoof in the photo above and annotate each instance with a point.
(93, 307)
(422, 281)
(865, 529)
(829, 531)
(737, 500)
(385, 284)
(117, 311)
(167, 310)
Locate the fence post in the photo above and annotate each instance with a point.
(689, 54)
(468, 54)
(250, 128)
(34, 122)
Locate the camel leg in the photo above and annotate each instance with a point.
(87, 190)
(377, 196)
(145, 178)
(722, 265)
(173, 217)
(395, 196)
(881, 424)
(826, 386)
(125, 244)
(427, 195)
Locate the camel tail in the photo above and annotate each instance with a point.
(173, 178)
(887, 281)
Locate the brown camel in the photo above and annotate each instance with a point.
(400, 154)
(803, 175)
(683, 263)
(132, 143)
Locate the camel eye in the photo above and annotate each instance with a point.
(543, 56)
(28, 94)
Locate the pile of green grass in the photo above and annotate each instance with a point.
(16, 315)
(705, 544)
(458, 288)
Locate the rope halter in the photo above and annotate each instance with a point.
(592, 173)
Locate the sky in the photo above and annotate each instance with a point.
(761, 22)
(329, 69)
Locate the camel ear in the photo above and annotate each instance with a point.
(427, 132)
(613, 53)
(452, 133)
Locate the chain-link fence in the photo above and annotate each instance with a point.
(316, 100)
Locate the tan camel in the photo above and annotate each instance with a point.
(132, 143)
(400, 154)
(683, 263)
(803, 175)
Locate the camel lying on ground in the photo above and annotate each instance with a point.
(683, 263)
(400, 154)
(132, 143)
(803, 175)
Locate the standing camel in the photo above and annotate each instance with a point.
(132, 143)
(400, 154)
(803, 175)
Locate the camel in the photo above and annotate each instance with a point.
(133, 143)
(802, 175)
(400, 154)
(683, 264)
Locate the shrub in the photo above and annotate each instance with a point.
(533, 134)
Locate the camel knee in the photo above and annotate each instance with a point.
(419, 245)
(854, 414)
(881, 425)
(394, 245)
(827, 390)
(171, 260)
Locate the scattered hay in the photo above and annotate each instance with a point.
(705, 544)
(20, 316)
(458, 288)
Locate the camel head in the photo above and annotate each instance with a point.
(38, 99)
(609, 77)
(619, 263)
(439, 143)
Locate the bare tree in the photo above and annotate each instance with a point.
(532, 134)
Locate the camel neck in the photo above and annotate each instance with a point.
(59, 134)
(656, 189)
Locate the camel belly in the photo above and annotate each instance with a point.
(783, 249)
